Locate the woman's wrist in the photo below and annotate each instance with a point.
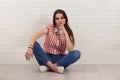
(30, 47)
(66, 34)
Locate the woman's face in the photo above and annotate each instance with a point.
(59, 19)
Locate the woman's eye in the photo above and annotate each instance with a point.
(62, 17)
(57, 18)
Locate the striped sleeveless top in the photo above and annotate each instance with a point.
(55, 42)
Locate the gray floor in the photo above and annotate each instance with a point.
(74, 72)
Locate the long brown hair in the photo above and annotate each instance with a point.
(68, 29)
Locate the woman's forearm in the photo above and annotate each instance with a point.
(32, 41)
(68, 42)
(35, 37)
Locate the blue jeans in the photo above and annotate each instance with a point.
(61, 60)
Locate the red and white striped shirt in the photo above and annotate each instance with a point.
(55, 42)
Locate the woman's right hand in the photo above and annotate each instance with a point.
(29, 54)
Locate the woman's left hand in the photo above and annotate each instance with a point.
(63, 29)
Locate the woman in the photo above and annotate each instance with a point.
(58, 38)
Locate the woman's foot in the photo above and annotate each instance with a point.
(55, 67)
(60, 69)
(44, 68)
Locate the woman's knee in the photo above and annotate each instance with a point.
(35, 44)
(76, 54)
(35, 47)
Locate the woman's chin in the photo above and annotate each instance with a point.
(60, 25)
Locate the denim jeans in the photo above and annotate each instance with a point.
(61, 60)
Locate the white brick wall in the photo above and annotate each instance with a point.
(96, 26)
